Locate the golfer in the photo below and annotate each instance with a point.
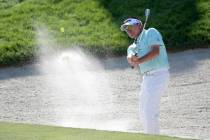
(148, 52)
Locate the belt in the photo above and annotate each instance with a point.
(152, 72)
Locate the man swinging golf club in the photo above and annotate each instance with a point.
(149, 53)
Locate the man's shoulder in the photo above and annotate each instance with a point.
(152, 30)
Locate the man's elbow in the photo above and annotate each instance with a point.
(156, 50)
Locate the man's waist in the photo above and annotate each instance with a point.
(154, 65)
(151, 72)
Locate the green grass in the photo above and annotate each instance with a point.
(94, 24)
(183, 23)
(11, 131)
(86, 24)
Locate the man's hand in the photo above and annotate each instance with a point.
(132, 62)
(136, 60)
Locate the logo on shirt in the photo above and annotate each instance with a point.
(158, 39)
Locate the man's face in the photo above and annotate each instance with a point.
(133, 30)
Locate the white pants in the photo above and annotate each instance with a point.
(152, 87)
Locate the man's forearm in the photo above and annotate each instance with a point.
(149, 56)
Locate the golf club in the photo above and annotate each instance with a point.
(147, 13)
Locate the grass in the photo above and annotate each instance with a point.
(11, 131)
(94, 24)
(183, 23)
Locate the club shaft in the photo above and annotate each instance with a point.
(147, 15)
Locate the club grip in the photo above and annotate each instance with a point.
(136, 56)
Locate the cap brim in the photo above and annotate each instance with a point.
(122, 27)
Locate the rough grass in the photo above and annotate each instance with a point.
(10, 131)
(183, 23)
(94, 24)
(85, 23)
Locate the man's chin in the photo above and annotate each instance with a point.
(132, 37)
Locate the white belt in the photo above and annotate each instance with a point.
(147, 73)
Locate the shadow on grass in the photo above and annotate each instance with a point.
(19, 71)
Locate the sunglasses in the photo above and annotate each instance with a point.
(126, 27)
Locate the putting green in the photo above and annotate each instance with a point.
(12, 131)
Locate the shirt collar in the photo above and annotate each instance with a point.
(140, 35)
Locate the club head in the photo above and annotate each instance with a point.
(147, 12)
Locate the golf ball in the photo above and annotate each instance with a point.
(62, 29)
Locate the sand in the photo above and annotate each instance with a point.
(26, 97)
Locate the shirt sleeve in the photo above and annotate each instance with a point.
(154, 37)
(131, 51)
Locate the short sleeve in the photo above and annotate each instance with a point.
(131, 50)
(154, 37)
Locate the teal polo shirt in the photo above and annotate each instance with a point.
(142, 46)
